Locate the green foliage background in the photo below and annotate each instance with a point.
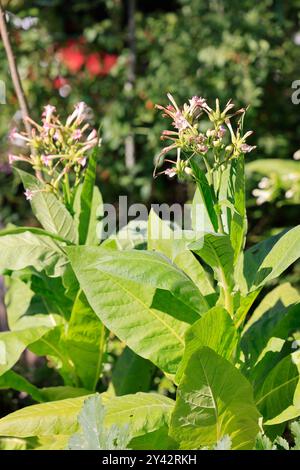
(232, 49)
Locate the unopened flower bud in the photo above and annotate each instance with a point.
(188, 170)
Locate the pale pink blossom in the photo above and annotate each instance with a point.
(92, 135)
(48, 112)
(46, 159)
(170, 172)
(245, 148)
(28, 194)
(180, 121)
(82, 161)
(12, 158)
(77, 134)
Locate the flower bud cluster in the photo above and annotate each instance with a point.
(216, 144)
(57, 150)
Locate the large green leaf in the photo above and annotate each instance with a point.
(281, 388)
(144, 412)
(145, 268)
(45, 419)
(132, 373)
(274, 317)
(84, 339)
(216, 330)
(13, 343)
(268, 259)
(213, 400)
(172, 244)
(151, 314)
(216, 250)
(22, 250)
(49, 211)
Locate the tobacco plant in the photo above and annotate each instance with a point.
(193, 304)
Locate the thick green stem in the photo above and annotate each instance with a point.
(67, 189)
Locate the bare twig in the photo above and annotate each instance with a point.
(14, 70)
(130, 141)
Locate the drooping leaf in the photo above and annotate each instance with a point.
(145, 268)
(280, 389)
(49, 211)
(36, 251)
(274, 317)
(45, 419)
(84, 339)
(131, 374)
(172, 244)
(150, 314)
(268, 259)
(13, 343)
(288, 414)
(145, 413)
(216, 250)
(213, 400)
(216, 330)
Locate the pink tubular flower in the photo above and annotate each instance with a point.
(202, 148)
(197, 101)
(92, 135)
(221, 131)
(82, 161)
(78, 114)
(15, 135)
(46, 159)
(245, 148)
(180, 122)
(48, 111)
(28, 194)
(12, 158)
(77, 134)
(170, 172)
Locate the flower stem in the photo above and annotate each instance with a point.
(67, 191)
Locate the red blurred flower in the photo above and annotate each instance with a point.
(59, 82)
(93, 64)
(109, 60)
(72, 55)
